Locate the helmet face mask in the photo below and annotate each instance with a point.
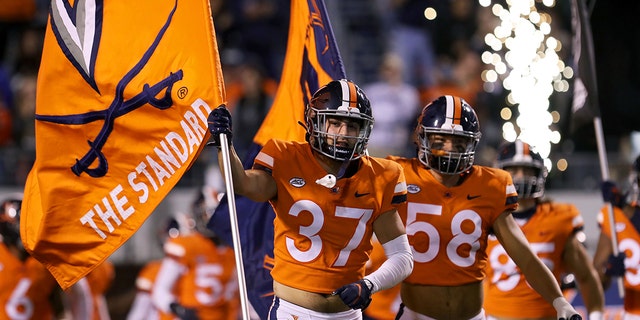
(446, 121)
(515, 155)
(339, 121)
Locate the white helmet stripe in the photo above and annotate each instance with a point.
(345, 94)
(450, 110)
(521, 154)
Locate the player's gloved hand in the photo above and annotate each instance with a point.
(615, 265)
(611, 194)
(219, 122)
(182, 312)
(564, 310)
(356, 295)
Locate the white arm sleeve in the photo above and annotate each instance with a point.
(141, 308)
(79, 296)
(398, 265)
(161, 294)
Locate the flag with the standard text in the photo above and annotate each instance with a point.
(585, 104)
(312, 60)
(124, 91)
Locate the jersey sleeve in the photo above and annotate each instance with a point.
(265, 159)
(396, 187)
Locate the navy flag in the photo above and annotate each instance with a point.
(312, 59)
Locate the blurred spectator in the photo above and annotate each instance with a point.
(261, 29)
(395, 105)
(411, 39)
(255, 95)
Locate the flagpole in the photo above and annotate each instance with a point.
(233, 217)
(604, 169)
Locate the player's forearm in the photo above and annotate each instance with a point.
(591, 293)
(241, 183)
(541, 279)
(398, 265)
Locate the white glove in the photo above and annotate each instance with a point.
(564, 310)
(595, 315)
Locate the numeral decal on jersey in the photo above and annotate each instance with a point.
(506, 275)
(208, 285)
(459, 236)
(19, 306)
(632, 261)
(311, 231)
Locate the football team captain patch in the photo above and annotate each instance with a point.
(124, 91)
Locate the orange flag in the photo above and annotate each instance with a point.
(124, 91)
(311, 61)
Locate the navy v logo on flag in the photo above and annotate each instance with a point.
(79, 38)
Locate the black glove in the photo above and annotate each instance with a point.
(615, 265)
(219, 122)
(182, 312)
(356, 295)
(611, 194)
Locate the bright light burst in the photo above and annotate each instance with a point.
(524, 59)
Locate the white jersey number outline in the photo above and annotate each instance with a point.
(459, 236)
(509, 270)
(632, 249)
(311, 231)
(19, 306)
(208, 277)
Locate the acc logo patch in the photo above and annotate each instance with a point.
(297, 182)
(412, 188)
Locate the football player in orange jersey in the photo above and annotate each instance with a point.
(197, 278)
(99, 280)
(27, 289)
(142, 307)
(452, 207)
(551, 230)
(626, 214)
(329, 198)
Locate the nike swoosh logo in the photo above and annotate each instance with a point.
(358, 195)
(470, 197)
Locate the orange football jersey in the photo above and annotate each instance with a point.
(448, 227)
(25, 288)
(507, 293)
(322, 235)
(147, 276)
(629, 243)
(209, 282)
